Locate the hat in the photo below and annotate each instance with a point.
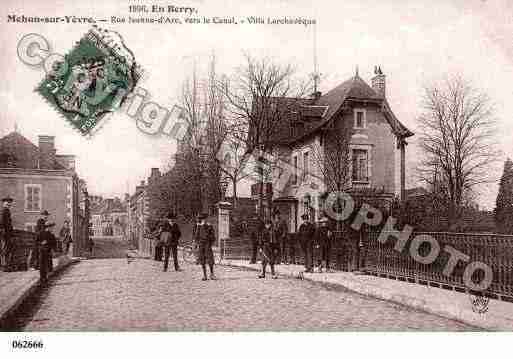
(304, 216)
(45, 213)
(7, 199)
(323, 219)
(202, 216)
(171, 215)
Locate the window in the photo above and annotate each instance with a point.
(360, 165)
(294, 177)
(359, 119)
(33, 198)
(306, 166)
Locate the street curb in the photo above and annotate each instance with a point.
(31, 289)
(401, 299)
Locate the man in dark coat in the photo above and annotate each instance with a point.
(65, 237)
(169, 236)
(281, 236)
(323, 236)
(45, 241)
(40, 227)
(7, 241)
(268, 248)
(306, 237)
(204, 237)
(255, 229)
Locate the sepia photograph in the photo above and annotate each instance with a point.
(296, 168)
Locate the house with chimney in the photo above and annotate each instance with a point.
(376, 146)
(38, 178)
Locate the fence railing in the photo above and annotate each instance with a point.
(494, 250)
(362, 251)
(343, 251)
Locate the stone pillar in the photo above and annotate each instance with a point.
(403, 169)
(223, 224)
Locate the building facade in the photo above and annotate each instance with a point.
(109, 216)
(38, 179)
(375, 138)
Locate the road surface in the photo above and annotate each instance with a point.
(110, 294)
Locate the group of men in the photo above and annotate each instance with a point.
(44, 244)
(203, 236)
(272, 240)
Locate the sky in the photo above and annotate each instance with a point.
(415, 43)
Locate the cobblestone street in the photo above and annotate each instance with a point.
(109, 294)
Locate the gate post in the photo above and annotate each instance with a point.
(223, 225)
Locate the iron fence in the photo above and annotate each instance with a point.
(494, 250)
(361, 250)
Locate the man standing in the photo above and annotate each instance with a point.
(169, 236)
(306, 234)
(204, 237)
(268, 248)
(65, 237)
(7, 244)
(255, 229)
(45, 241)
(281, 236)
(40, 227)
(324, 240)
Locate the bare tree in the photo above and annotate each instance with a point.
(332, 156)
(203, 106)
(260, 98)
(457, 139)
(234, 163)
(260, 95)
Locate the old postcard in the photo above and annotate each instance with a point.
(255, 166)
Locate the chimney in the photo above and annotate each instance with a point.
(140, 188)
(155, 172)
(316, 95)
(47, 152)
(378, 82)
(67, 161)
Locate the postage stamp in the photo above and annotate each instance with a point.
(92, 81)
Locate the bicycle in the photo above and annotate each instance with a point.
(189, 254)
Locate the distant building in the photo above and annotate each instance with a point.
(38, 179)
(138, 215)
(109, 216)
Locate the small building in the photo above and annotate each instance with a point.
(38, 179)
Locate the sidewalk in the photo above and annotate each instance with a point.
(15, 287)
(445, 303)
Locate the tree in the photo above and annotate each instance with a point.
(203, 106)
(504, 204)
(234, 163)
(260, 98)
(457, 130)
(332, 156)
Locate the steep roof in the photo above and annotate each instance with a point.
(24, 154)
(354, 88)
